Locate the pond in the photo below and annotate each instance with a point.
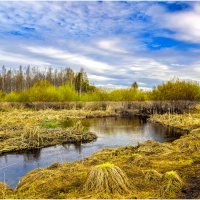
(112, 132)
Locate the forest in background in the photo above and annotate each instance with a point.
(53, 85)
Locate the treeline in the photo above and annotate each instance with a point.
(24, 78)
(29, 85)
(44, 91)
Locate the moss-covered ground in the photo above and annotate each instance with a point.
(150, 170)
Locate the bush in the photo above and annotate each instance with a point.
(176, 90)
(44, 91)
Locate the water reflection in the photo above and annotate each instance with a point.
(112, 132)
(32, 155)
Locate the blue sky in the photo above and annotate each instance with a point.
(116, 43)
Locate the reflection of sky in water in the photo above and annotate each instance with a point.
(112, 132)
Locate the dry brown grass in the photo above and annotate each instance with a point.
(107, 178)
(185, 121)
(170, 171)
(24, 129)
(138, 160)
(5, 191)
(153, 147)
(152, 176)
(172, 185)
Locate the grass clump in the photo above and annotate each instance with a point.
(107, 178)
(172, 185)
(192, 143)
(138, 160)
(152, 176)
(153, 147)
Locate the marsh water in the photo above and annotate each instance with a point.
(111, 132)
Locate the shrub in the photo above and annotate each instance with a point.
(176, 90)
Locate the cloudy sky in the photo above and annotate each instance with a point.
(115, 42)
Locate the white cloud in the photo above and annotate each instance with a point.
(185, 24)
(111, 45)
(74, 59)
(13, 59)
(98, 78)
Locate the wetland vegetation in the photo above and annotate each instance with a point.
(28, 129)
(147, 170)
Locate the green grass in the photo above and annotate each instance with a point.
(50, 124)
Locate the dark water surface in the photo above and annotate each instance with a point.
(112, 132)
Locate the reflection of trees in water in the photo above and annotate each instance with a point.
(32, 155)
(115, 124)
(77, 147)
(136, 125)
(166, 132)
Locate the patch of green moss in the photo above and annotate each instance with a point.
(50, 124)
(68, 122)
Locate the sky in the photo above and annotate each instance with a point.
(116, 43)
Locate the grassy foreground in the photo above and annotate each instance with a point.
(150, 170)
(27, 129)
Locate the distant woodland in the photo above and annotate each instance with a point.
(34, 84)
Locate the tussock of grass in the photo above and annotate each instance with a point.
(45, 183)
(152, 176)
(107, 178)
(172, 185)
(153, 147)
(138, 160)
(191, 144)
